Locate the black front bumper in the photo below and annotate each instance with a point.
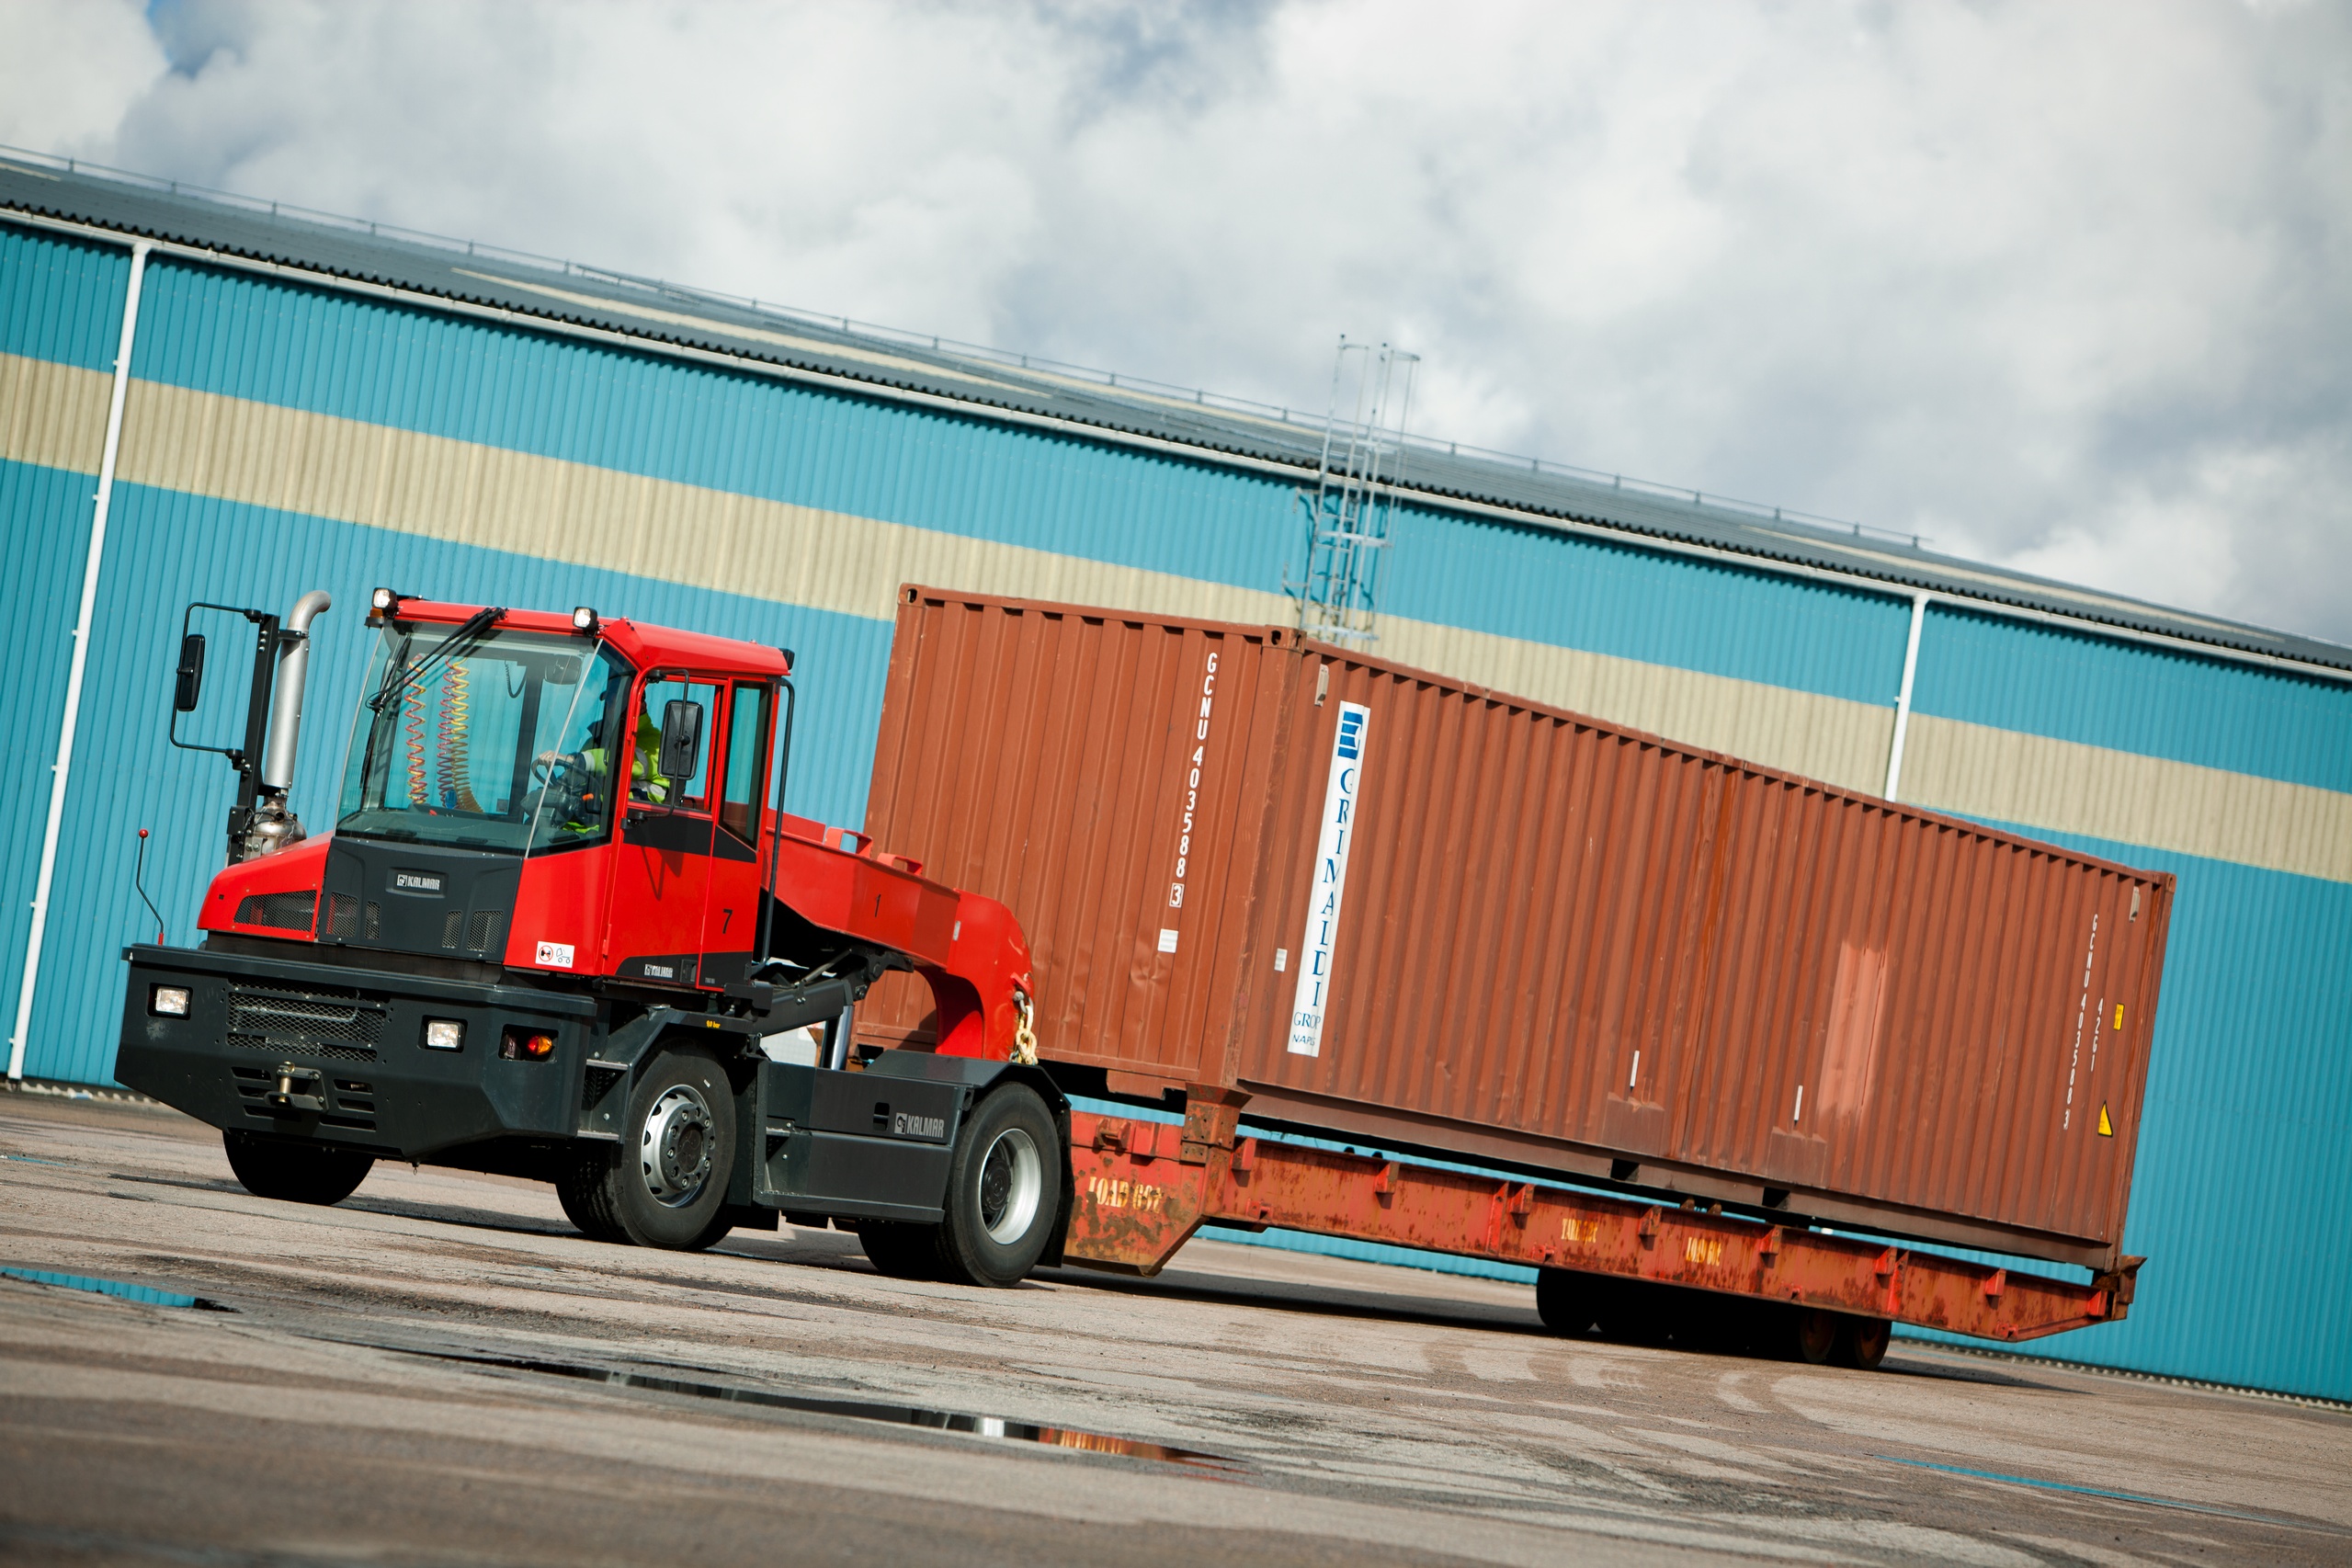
(350, 1043)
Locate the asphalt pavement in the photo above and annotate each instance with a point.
(440, 1370)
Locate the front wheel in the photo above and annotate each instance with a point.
(665, 1186)
(1003, 1189)
(295, 1173)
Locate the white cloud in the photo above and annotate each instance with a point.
(2066, 286)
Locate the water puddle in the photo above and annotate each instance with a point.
(146, 1295)
(859, 1410)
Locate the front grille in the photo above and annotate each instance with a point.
(481, 931)
(375, 920)
(341, 1025)
(284, 910)
(342, 917)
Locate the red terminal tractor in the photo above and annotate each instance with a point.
(562, 929)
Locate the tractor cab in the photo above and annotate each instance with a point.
(567, 794)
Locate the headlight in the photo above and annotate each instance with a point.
(167, 1001)
(444, 1034)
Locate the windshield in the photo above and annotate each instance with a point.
(489, 742)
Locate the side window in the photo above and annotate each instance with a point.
(646, 783)
(746, 742)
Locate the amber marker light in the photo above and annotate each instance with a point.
(527, 1045)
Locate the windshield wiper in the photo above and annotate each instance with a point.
(398, 681)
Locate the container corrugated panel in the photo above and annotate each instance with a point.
(1555, 937)
(1094, 763)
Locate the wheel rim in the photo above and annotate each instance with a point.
(1816, 1335)
(1012, 1179)
(674, 1150)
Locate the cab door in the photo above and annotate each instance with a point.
(662, 870)
(731, 908)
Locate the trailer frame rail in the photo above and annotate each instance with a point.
(1144, 1187)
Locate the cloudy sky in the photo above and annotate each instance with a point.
(2063, 285)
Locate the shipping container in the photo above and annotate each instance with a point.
(1389, 905)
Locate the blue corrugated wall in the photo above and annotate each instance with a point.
(243, 337)
(2249, 1116)
(2047, 680)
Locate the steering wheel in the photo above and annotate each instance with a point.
(546, 765)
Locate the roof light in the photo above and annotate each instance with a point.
(584, 620)
(382, 605)
(789, 659)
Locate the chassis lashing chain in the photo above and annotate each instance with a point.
(1024, 1033)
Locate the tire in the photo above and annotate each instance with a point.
(1862, 1342)
(582, 1190)
(901, 1252)
(295, 1173)
(1813, 1336)
(1569, 1300)
(1003, 1189)
(666, 1185)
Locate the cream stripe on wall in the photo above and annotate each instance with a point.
(1953, 766)
(263, 455)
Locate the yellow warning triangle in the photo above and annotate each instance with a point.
(2106, 1128)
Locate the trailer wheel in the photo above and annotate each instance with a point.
(667, 1181)
(1569, 1300)
(1816, 1333)
(1862, 1342)
(295, 1173)
(1003, 1184)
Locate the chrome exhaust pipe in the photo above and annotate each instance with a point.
(271, 827)
(286, 707)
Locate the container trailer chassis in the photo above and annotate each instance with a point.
(1142, 1188)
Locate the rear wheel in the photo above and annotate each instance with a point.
(1003, 1189)
(666, 1185)
(900, 1251)
(295, 1173)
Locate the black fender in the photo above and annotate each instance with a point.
(981, 1078)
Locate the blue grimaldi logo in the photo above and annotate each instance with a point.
(1351, 732)
(1316, 948)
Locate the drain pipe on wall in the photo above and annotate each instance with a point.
(1902, 699)
(73, 675)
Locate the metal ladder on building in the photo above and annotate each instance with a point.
(1349, 511)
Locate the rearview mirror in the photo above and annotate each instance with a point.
(681, 738)
(191, 673)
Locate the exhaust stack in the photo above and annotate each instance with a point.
(272, 826)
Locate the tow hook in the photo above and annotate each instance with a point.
(300, 1090)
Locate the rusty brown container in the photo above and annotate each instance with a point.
(1392, 906)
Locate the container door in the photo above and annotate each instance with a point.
(730, 907)
(662, 870)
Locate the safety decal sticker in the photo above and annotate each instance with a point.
(2106, 1128)
(555, 955)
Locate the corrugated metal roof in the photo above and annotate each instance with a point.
(660, 313)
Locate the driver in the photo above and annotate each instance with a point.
(646, 782)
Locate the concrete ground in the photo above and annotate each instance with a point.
(364, 1400)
